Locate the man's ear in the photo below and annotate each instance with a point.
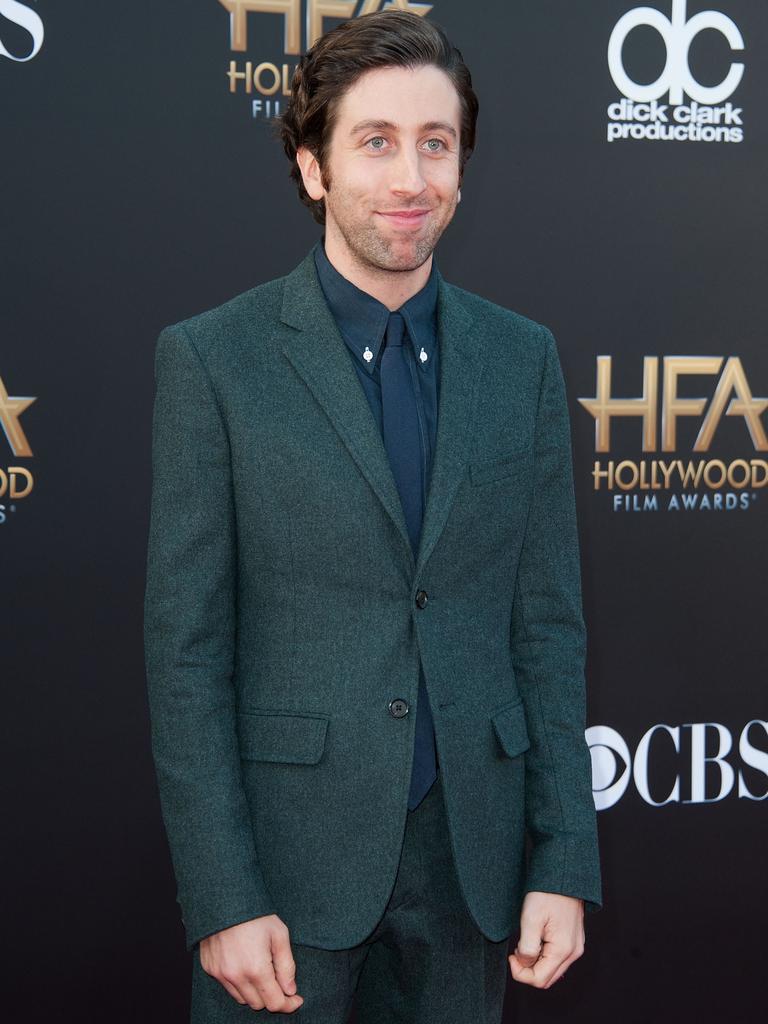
(310, 172)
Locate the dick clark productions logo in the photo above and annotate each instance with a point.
(640, 115)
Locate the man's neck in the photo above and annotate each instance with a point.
(390, 287)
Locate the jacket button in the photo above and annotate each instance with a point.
(421, 598)
(398, 707)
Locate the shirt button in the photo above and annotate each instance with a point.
(398, 707)
(421, 598)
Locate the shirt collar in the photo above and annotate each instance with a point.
(362, 319)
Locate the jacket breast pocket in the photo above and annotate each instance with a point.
(510, 727)
(286, 737)
(484, 471)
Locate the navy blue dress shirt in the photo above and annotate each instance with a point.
(362, 321)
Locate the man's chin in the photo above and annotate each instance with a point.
(402, 254)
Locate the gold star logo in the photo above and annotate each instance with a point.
(10, 410)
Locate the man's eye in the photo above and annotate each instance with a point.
(380, 138)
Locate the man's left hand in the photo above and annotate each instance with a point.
(551, 938)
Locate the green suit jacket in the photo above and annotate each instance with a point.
(280, 620)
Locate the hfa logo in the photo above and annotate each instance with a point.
(267, 78)
(734, 484)
(15, 481)
(21, 15)
(640, 115)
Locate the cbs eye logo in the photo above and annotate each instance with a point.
(677, 34)
(611, 765)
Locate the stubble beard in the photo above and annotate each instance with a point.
(372, 250)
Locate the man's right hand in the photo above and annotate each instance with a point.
(254, 963)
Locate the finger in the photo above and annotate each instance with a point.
(233, 992)
(235, 985)
(542, 971)
(529, 945)
(520, 971)
(284, 964)
(562, 969)
(520, 962)
(577, 952)
(224, 982)
(549, 963)
(265, 992)
(528, 949)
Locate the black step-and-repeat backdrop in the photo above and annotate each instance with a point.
(618, 195)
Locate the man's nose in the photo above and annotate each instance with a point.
(407, 173)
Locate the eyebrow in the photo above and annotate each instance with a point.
(429, 126)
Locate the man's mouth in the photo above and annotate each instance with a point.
(405, 218)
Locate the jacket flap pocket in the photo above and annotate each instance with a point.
(511, 729)
(485, 470)
(280, 736)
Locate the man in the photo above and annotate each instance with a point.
(364, 634)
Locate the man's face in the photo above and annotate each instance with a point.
(394, 150)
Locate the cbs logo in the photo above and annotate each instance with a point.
(677, 34)
(614, 765)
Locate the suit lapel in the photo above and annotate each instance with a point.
(318, 353)
(461, 354)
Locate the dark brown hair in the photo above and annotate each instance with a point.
(383, 39)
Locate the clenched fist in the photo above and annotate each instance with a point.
(254, 963)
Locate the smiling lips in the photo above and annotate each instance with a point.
(406, 218)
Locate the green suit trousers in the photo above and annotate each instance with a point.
(425, 962)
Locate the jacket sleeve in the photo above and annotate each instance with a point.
(189, 635)
(548, 639)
